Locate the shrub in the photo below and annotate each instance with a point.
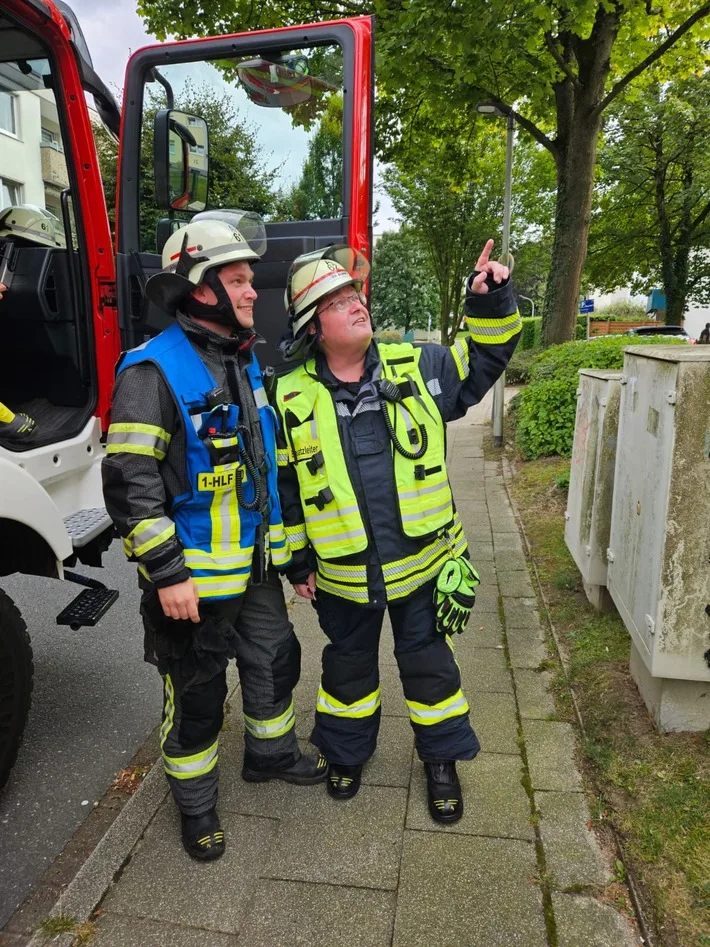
(545, 417)
(389, 336)
(517, 371)
(531, 333)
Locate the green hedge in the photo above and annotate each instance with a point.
(517, 371)
(544, 419)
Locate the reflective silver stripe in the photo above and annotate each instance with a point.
(152, 531)
(210, 254)
(346, 534)
(144, 440)
(501, 329)
(423, 513)
(325, 705)
(209, 585)
(434, 386)
(413, 494)
(437, 713)
(332, 514)
(196, 766)
(260, 398)
(205, 561)
(278, 726)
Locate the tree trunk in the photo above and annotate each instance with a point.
(575, 183)
(578, 100)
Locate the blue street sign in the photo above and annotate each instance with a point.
(587, 305)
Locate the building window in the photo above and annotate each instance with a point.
(51, 139)
(8, 118)
(10, 193)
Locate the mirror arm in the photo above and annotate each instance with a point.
(155, 76)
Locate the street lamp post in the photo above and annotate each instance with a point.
(489, 108)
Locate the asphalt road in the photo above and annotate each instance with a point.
(94, 704)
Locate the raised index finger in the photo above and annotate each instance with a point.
(485, 254)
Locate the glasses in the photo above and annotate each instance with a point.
(344, 304)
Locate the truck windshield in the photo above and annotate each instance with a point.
(275, 133)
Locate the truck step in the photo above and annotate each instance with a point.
(87, 608)
(85, 525)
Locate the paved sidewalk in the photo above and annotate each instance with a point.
(520, 868)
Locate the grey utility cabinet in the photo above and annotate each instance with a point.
(659, 547)
(591, 481)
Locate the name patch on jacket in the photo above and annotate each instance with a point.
(224, 480)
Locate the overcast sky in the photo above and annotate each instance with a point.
(113, 31)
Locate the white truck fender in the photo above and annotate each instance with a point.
(25, 501)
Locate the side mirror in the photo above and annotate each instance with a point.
(181, 160)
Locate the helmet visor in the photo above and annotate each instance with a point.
(250, 225)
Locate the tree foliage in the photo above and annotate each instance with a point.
(557, 66)
(404, 288)
(651, 225)
(319, 193)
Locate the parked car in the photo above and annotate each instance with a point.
(677, 331)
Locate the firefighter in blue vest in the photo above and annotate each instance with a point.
(369, 512)
(190, 482)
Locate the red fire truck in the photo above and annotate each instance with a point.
(75, 302)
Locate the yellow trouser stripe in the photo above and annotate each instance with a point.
(268, 729)
(326, 704)
(190, 767)
(429, 714)
(6, 416)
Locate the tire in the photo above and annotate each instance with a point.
(16, 674)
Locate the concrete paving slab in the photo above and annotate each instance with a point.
(472, 507)
(507, 542)
(495, 803)
(487, 599)
(534, 698)
(484, 622)
(500, 523)
(392, 763)
(583, 921)
(572, 853)
(550, 747)
(458, 891)
(343, 842)
(114, 930)
(493, 718)
(479, 679)
(521, 613)
(526, 647)
(515, 584)
(294, 914)
(479, 551)
(509, 560)
(224, 886)
(483, 634)
(476, 525)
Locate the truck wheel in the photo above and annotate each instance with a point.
(16, 672)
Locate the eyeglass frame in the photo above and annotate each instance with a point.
(337, 303)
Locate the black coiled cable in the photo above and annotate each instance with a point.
(410, 455)
(246, 457)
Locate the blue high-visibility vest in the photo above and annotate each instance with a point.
(217, 533)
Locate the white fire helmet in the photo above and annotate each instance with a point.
(32, 223)
(315, 275)
(209, 241)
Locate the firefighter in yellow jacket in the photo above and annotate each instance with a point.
(369, 512)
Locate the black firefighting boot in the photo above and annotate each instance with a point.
(19, 428)
(444, 790)
(202, 836)
(306, 771)
(344, 781)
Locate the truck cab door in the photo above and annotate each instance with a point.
(288, 117)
